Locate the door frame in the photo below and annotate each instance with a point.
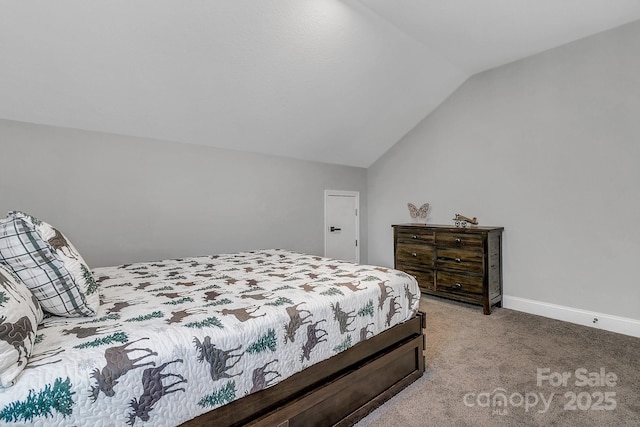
(355, 194)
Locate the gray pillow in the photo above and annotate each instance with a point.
(49, 265)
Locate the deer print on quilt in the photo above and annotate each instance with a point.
(177, 338)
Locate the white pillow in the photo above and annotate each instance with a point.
(49, 265)
(20, 314)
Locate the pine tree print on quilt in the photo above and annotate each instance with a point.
(56, 397)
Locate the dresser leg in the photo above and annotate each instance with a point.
(486, 307)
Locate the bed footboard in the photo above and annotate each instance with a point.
(337, 391)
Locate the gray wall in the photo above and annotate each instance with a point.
(124, 199)
(547, 147)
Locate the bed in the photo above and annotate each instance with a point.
(268, 337)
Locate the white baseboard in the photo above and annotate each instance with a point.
(621, 325)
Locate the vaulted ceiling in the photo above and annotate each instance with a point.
(325, 80)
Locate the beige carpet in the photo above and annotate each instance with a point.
(472, 358)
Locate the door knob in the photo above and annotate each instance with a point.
(335, 229)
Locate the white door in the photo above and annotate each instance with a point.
(341, 225)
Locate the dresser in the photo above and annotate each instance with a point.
(464, 264)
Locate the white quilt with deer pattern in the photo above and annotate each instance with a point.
(177, 338)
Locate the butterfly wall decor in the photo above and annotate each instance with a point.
(420, 212)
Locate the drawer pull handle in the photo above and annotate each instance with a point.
(414, 254)
(414, 237)
(458, 240)
(458, 285)
(458, 260)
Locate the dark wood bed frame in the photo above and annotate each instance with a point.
(338, 391)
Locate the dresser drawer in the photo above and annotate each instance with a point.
(415, 254)
(415, 236)
(425, 278)
(458, 283)
(458, 239)
(465, 259)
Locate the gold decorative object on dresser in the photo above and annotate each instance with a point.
(464, 264)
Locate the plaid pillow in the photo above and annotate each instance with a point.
(49, 265)
(20, 314)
